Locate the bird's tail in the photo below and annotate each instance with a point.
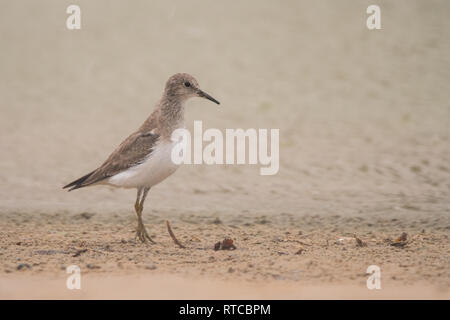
(79, 183)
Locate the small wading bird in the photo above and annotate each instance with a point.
(144, 158)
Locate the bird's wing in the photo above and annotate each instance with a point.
(130, 152)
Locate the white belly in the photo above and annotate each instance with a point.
(155, 168)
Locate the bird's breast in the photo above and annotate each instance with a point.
(156, 167)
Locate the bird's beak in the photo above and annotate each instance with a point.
(202, 94)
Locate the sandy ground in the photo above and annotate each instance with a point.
(364, 119)
(297, 256)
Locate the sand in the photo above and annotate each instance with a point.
(364, 121)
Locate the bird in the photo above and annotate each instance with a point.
(143, 159)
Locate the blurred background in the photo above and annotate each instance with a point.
(364, 116)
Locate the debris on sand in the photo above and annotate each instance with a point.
(79, 252)
(343, 240)
(50, 252)
(359, 242)
(226, 244)
(399, 244)
(300, 251)
(23, 266)
(84, 215)
(400, 241)
(151, 267)
(195, 239)
(402, 238)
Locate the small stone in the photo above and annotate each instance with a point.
(22, 266)
(86, 215)
(227, 244)
(151, 267)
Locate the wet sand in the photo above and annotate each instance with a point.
(174, 287)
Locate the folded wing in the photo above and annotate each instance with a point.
(131, 152)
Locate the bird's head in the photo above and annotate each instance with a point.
(183, 86)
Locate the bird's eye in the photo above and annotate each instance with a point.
(187, 84)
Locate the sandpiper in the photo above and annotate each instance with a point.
(144, 158)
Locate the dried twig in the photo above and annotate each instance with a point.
(400, 244)
(172, 235)
(79, 252)
(359, 242)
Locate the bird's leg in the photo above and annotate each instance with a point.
(141, 232)
(136, 204)
(138, 210)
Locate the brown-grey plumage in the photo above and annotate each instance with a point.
(134, 154)
(131, 152)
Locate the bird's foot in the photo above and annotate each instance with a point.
(142, 234)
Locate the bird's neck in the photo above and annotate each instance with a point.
(172, 112)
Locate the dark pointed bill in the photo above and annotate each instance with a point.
(206, 96)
